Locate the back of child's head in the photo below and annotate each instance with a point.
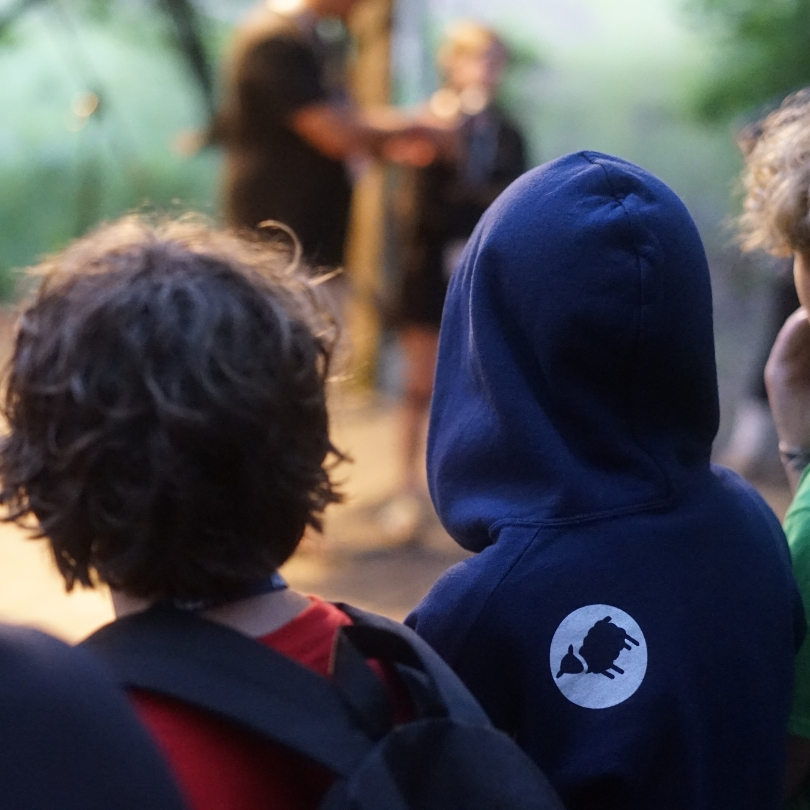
(166, 410)
(576, 371)
(776, 179)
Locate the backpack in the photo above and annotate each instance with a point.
(448, 757)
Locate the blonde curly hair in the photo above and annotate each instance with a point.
(776, 180)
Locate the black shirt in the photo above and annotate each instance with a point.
(271, 172)
(447, 200)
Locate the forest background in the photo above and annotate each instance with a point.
(94, 93)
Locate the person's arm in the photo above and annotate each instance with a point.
(339, 132)
(279, 81)
(787, 378)
(335, 131)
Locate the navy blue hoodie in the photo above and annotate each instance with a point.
(630, 615)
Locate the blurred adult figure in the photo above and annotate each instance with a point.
(446, 199)
(289, 128)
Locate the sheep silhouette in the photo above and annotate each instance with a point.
(602, 645)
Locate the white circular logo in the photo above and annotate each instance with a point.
(598, 656)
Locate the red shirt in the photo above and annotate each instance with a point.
(219, 765)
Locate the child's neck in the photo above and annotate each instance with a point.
(255, 616)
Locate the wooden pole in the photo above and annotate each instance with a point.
(371, 28)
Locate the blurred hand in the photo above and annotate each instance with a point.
(385, 117)
(787, 378)
(420, 145)
(408, 150)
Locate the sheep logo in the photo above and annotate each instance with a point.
(598, 656)
(603, 644)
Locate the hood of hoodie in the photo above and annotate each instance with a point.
(576, 373)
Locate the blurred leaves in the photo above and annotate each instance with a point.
(763, 53)
(8, 37)
(99, 10)
(97, 91)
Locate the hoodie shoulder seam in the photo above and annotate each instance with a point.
(650, 506)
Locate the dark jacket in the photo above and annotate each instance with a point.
(445, 201)
(630, 616)
(68, 738)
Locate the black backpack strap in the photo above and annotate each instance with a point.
(434, 687)
(362, 690)
(357, 643)
(183, 656)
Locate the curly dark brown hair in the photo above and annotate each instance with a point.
(167, 412)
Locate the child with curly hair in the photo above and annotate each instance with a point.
(776, 218)
(168, 432)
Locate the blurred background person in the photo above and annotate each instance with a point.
(447, 197)
(289, 129)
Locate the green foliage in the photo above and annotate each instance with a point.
(99, 10)
(62, 170)
(7, 38)
(764, 53)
